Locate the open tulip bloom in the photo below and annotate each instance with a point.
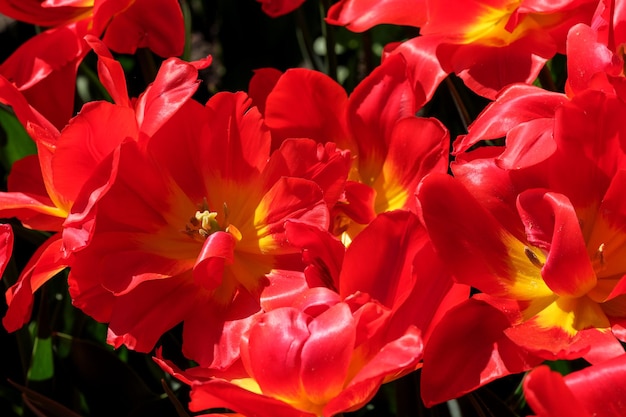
(438, 231)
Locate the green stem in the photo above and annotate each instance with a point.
(184, 5)
(22, 336)
(305, 42)
(93, 77)
(458, 103)
(147, 65)
(329, 34)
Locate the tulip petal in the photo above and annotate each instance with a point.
(600, 388)
(389, 245)
(477, 249)
(237, 144)
(261, 85)
(317, 112)
(423, 66)
(86, 141)
(217, 253)
(289, 198)
(45, 263)
(174, 84)
(274, 350)
(417, 147)
(375, 106)
(478, 328)
(137, 319)
(359, 16)
(219, 393)
(549, 396)
(212, 333)
(110, 72)
(327, 352)
(392, 361)
(154, 24)
(322, 253)
(552, 224)
(516, 106)
(6, 246)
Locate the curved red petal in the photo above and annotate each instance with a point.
(6, 245)
(389, 244)
(237, 145)
(326, 354)
(394, 359)
(223, 394)
(261, 85)
(139, 318)
(174, 84)
(216, 254)
(515, 106)
(465, 235)
(274, 349)
(276, 8)
(38, 13)
(154, 24)
(359, 15)
(478, 327)
(45, 263)
(548, 395)
(317, 112)
(600, 389)
(89, 138)
(110, 72)
(375, 106)
(552, 224)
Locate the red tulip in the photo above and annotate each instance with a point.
(319, 356)
(490, 45)
(543, 243)
(392, 148)
(596, 390)
(44, 68)
(197, 218)
(44, 188)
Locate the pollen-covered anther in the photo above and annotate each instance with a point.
(202, 224)
(600, 253)
(532, 257)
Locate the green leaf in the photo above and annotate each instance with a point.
(41, 365)
(14, 141)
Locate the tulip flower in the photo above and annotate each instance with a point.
(490, 45)
(318, 357)
(198, 221)
(543, 244)
(44, 68)
(392, 148)
(596, 390)
(525, 115)
(44, 188)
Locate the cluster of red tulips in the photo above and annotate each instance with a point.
(307, 244)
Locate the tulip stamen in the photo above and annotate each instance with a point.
(600, 253)
(532, 257)
(204, 223)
